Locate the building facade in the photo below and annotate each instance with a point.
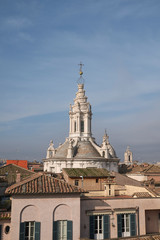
(44, 207)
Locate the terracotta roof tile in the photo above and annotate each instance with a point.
(41, 183)
(5, 215)
(152, 169)
(141, 195)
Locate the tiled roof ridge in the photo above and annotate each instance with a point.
(12, 164)
(31, 178)
(142, 195)
(148, 168)
(151, 191)
(42, 183)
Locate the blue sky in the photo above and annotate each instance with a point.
(41, 44)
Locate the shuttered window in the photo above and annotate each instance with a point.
(126, 225)
(106, 224)
(30, 231)
(99, 227)
(62, 230)
(133, 224)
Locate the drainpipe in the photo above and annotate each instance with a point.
(137, 208)
(82, 180)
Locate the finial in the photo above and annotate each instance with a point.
(105, 131)
(80, 80)
(80, 69)
(106, 137)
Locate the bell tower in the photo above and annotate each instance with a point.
(128, 156)
(80, 113)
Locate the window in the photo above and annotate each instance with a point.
(75, 126)
(7, 229)
(99, 227)
(129, 158)
(82, 126)
(30, 231)
(76, 182)
(96, 180)
(109, 189)
(126, 225)
(62, 230)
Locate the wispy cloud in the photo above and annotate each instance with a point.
(17, 23)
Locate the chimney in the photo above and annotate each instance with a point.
(18, 177)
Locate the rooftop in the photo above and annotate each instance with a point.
(10, 171)
(87, 172)
(42, 184)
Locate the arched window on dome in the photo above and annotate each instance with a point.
(82, 126)
(75, 126)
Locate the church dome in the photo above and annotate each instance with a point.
(85, 149)
(80, 149)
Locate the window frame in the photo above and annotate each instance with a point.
(76, 182)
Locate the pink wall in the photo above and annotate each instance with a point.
(5, 223)
(111, 204)
(45, 209)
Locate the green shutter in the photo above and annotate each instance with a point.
(37, 230)
(69, 230)
(55, 230)
(91, 224)
(119, 225)
(106, 227)
(0, 232)
(133, 224)
(22, 231)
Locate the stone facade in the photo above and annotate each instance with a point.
(80, 149)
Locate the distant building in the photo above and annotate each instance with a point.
(80, 149)
(128, 156)
(35, 166)
(96, 179)
(20, 163)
